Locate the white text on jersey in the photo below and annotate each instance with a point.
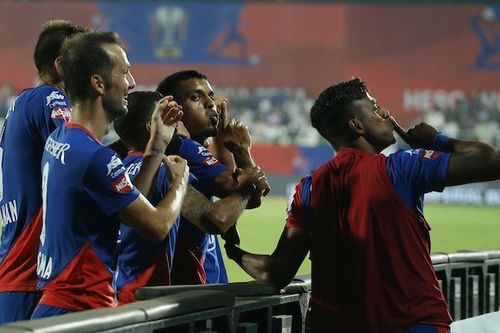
(56, 149)
(8, 212)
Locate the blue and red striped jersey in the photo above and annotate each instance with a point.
(35, 113)
(370, 244)
(84, 186)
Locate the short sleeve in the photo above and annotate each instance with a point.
(202, 164)
(299, 213)
(107, 182)
(56, 110)
(415, 172)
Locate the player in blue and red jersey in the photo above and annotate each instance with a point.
(35, 113)
(85, 185)
(201, 257)
(361, 217)
(141, 262)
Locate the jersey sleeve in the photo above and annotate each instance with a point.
(420, 169)
(56, 110)
(107, 182)
(299, 213)
(202, 164)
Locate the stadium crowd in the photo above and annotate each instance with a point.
(84, 224)
(276, 115)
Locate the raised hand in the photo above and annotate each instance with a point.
(177, 168)
(232, 134)
(164, 121)
(420, 136)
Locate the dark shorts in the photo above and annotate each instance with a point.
(15, 306)
(44, 311)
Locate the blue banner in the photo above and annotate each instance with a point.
(178, 32)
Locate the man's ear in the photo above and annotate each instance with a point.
(57, 65)
(356, 126)
(148, 127)
(97, 83)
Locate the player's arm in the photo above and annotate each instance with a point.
(217, 217)
(154, 223)
(470, 161)
(163, 122)
(281, 266)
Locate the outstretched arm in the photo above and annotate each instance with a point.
(280, 267)
(218, 217)
(470, 161)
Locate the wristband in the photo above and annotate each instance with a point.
(441, 143)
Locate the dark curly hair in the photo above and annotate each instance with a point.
(331, 111)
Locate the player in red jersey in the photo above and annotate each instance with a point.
(360, 216)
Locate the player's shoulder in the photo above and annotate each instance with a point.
(419, 154)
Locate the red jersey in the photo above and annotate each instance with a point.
(370, 245)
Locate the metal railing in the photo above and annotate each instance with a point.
(470, 282)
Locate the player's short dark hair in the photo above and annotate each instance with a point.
(50, 41)
(170, 84)
(83, 56)
(331, 111)
(130, 127)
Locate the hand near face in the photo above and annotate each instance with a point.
(233, 134)
(164, 120)
(420, 136)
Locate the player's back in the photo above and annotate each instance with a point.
(371, 268)
(32, 117)
(141, 262)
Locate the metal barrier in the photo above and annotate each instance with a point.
(470, 282)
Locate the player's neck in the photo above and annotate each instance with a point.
(46, 79)
(359, 143)
(91, 116)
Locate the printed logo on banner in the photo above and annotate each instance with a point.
(485, 25)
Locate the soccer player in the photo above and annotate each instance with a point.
(361, 217)
(141, 262)
(85, 185)
(198, 258)
(35, 113)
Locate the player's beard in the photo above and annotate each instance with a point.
(113, 107)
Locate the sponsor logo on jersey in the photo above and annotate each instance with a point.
(211, 161)
(204, 152)
(122, 184)
(57, 149)
(429, 154)
(55, 95)
(113, 164)
(61, 113)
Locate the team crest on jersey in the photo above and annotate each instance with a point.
(204, 152)
(55, 95)
(429, 154)
(122, 184)
(61, 113)
(113, 164)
